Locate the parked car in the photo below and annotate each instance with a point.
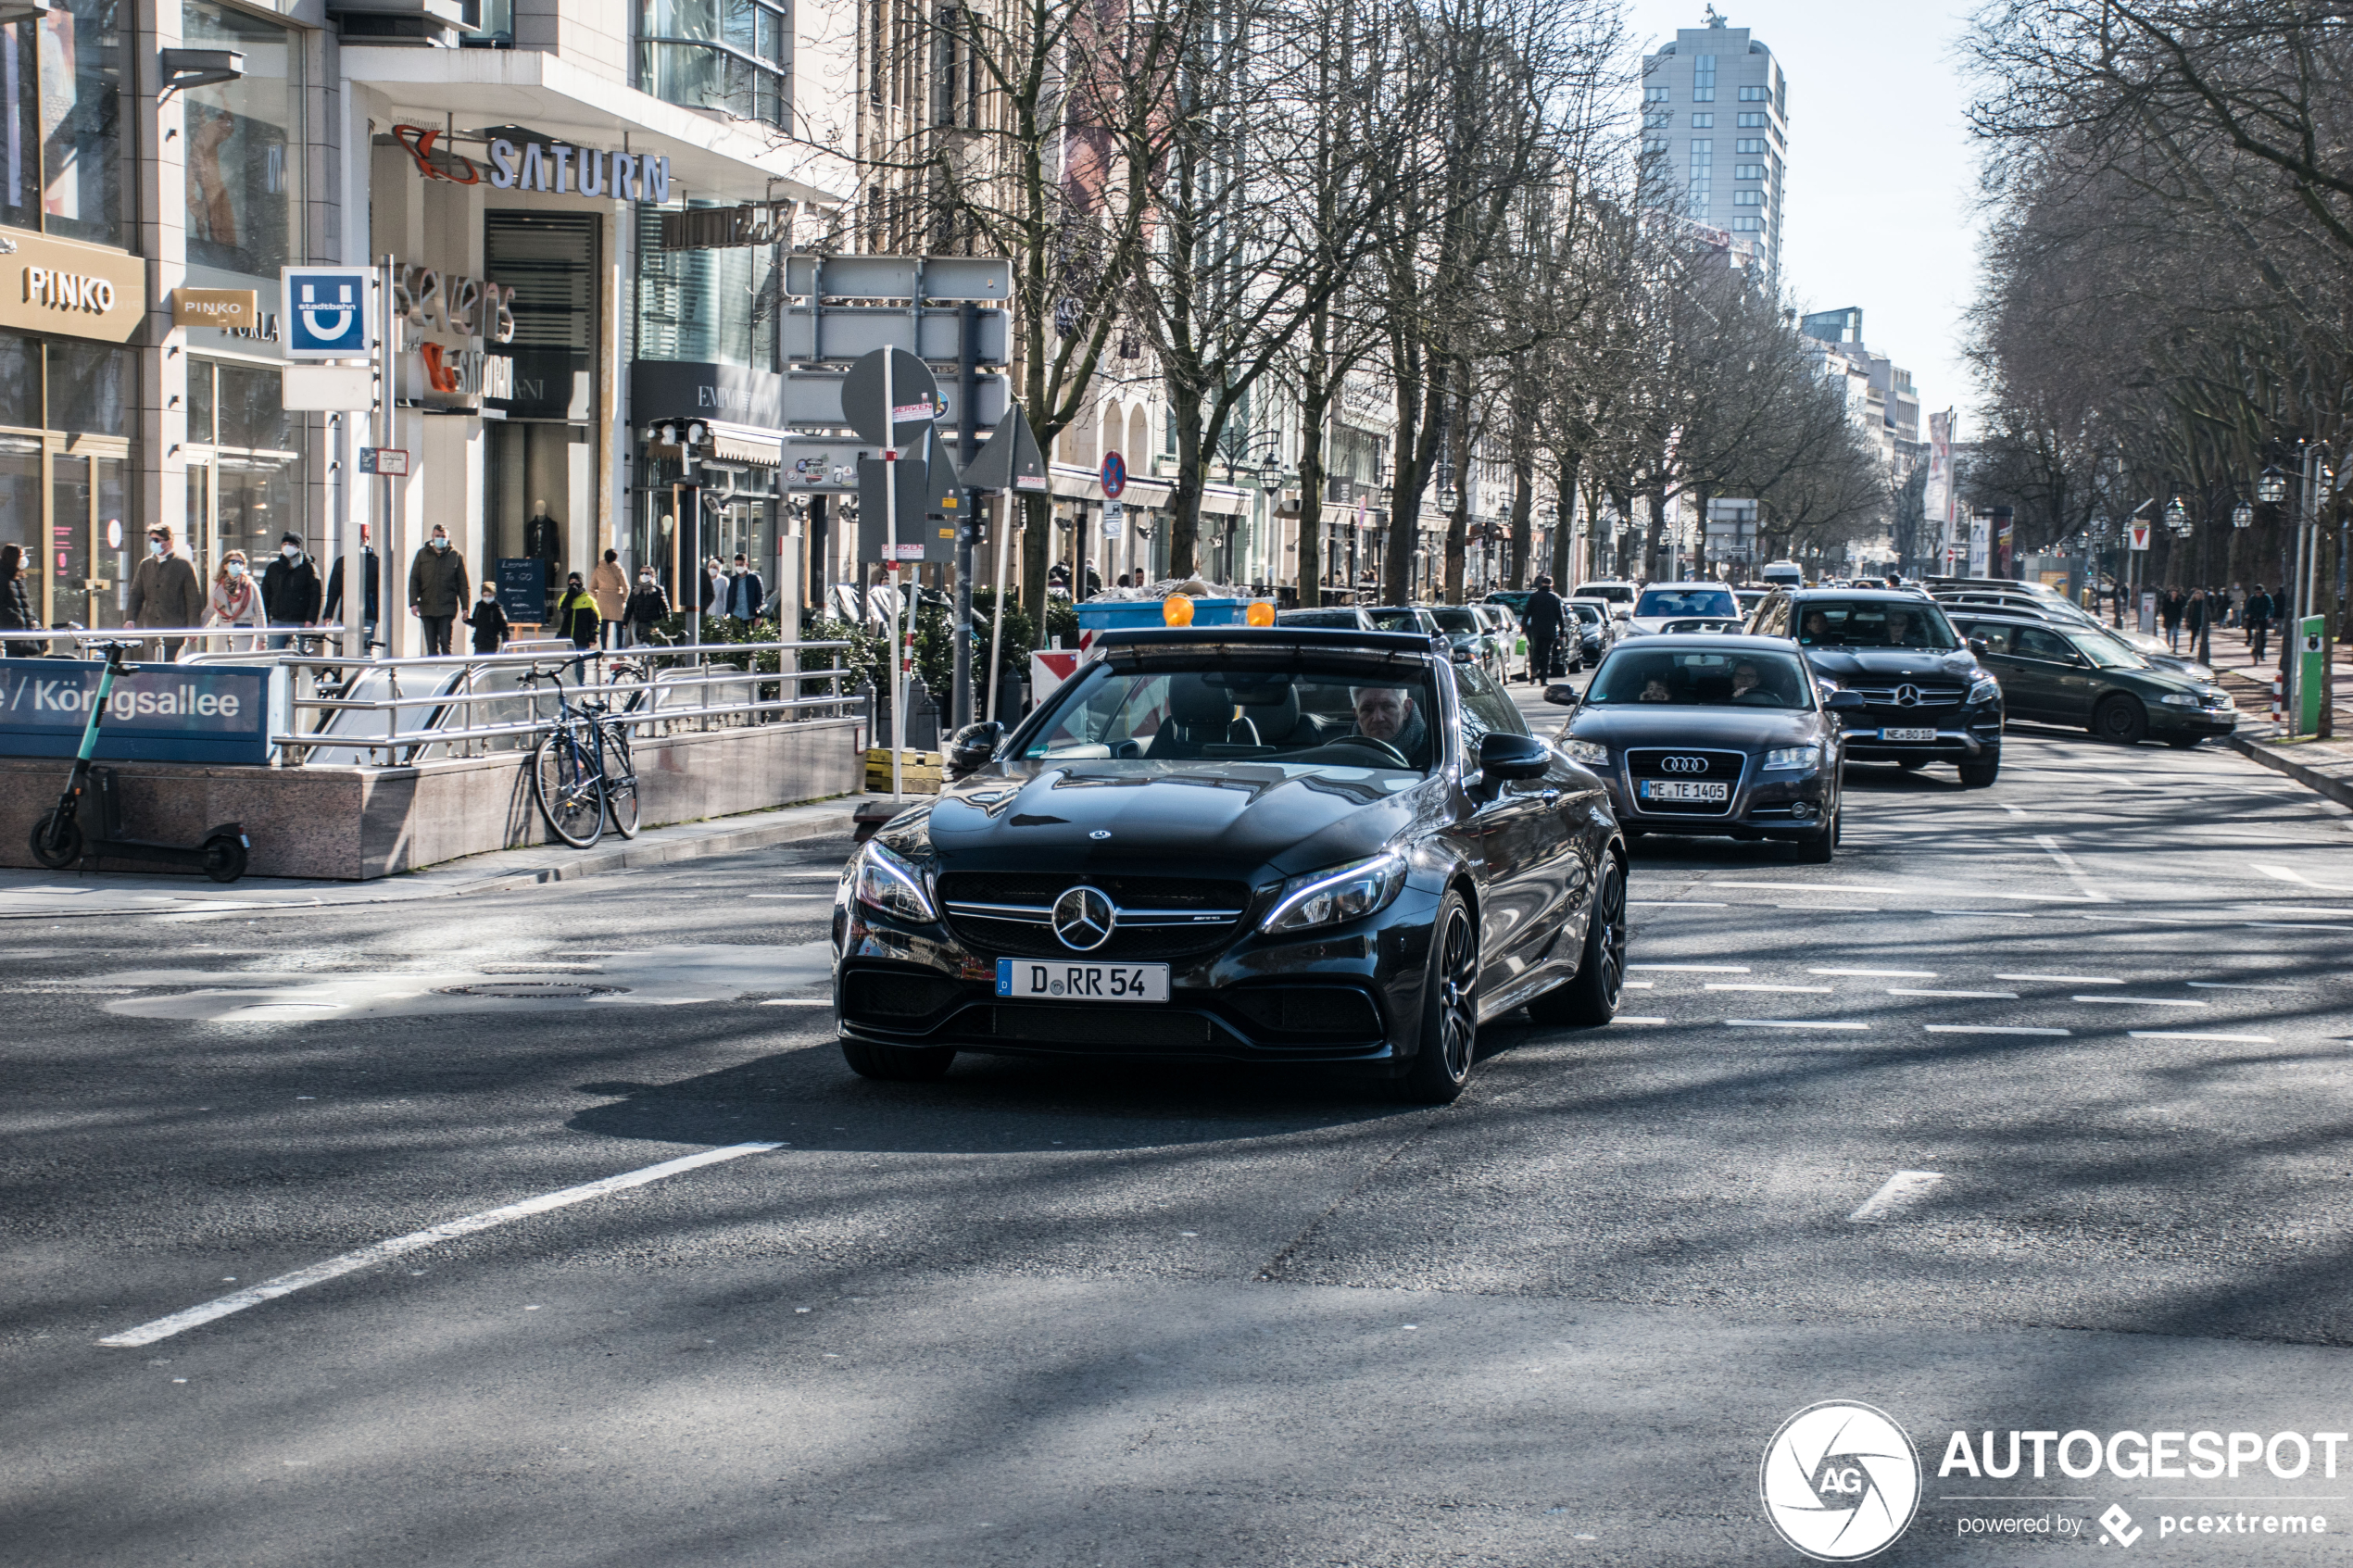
(1619, 597)
(1595, 631)
(1475, 640)
(2051, 606)
(1684, 607)
(1346, 618)
(1926, 699)
(1716, 736)
(1253, 843)
(1404, 617)
(2055, 673)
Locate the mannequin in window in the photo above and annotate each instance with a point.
(543, 540)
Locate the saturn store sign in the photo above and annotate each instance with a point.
(61, 286)
(556, 168)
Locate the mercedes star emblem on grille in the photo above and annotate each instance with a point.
(1907, 696)
(1683, 765)
(1083, 919)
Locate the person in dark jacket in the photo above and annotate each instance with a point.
(2169, 608)
(2257, 618)
(488, 621)
(16, 604)
(437, 589)
(371, 594)
(648, 605)
(1542, 619)
(290, 591)
(745, 593)
(164, 592)
(576, 614)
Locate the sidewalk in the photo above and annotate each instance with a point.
(2324, 767)
(38, 894)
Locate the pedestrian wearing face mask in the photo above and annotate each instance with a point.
(488, 619)
(290, 590)
(608, 585)
(438, 582)
(576, 614)
(648, 604)
(235, 601)
(164, 592)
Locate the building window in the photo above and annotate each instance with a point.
(245, 146)
(1702, 122)
(74, 508)
(1703, 79)
(1748, 171)
(1752, 119)
(1696, 189)
(727, 54)
(65, 80)
(1747, 223)
(1653, 145)
(707, 306)
(1658, 119)
(1754, 96)
(1749, 144)
(1658, 94)
(1748, 198)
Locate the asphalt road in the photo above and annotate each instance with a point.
(2031, 1113)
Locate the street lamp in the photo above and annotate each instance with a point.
(2271, 487)
(2242, 515)
(2177, 516)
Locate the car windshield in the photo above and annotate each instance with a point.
(1321, 721)
(1691, 679)
(2105, 651)
(1873, 623)
(1687, 601)
(1397, 620)
(1588, 614)
(1319, 618)
(1455, 618)
(1615, 593)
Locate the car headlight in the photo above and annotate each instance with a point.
(1361, 887)
(1985, 690)
(1793, 759)
(886, 883)
(2179, 699)
(1592, 753)
(2219, 698)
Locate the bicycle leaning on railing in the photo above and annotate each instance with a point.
(581, 772)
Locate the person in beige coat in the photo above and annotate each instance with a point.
(164, 592)
(608, 585)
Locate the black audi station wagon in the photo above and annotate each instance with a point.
(1262, 844)
(1707, 733)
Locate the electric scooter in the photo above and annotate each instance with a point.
(58, 840)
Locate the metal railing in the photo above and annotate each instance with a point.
(397, 711)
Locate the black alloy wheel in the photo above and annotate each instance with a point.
(1589, 998)
(2120, 719)
(56, 844)
(1981, 772)
(1450, 1009)
(1820, 849)
(897, 1064)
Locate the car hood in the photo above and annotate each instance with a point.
(1176, 818)
(1902, 664)
(1743, 729)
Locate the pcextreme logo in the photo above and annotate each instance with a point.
(1840, 1481)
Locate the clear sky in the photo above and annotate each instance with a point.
(1882, 173)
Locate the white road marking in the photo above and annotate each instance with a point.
(1630, 1018)
(2013, 810)
(1792, 1023)
(2063, 979)
(1673, 904)
(2004, 914)
(2066, 863)
(1989, 1028)
(1833, 909)
(1735, 985)
(2287, 925)
(1900, 1191)
(799, 1002)
(2142, 1001)
(1695, 968)
(2181, 1034)
(1988, 995)
(448, 1230)
(1881, 973)
(2288, 873)
(1642, 984)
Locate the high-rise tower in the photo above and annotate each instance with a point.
(1715, 132)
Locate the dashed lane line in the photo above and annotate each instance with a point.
(2064, 979)
(1986, 996)
(1792, 1023)
(2066, 863)
(1991, 1029)
(1881, 973)
(1630, 1018)
(2142, 1001)
(1695, 968)
(448, 1230)
(2187, 1034)
(1899, 1192)
(1810, 990)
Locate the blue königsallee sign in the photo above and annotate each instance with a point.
(158, 713)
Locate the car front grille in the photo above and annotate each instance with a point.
(1159, 917)
(1686, 764)
(1928, 696)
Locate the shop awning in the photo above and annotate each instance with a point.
(745, 444)
(710, 159)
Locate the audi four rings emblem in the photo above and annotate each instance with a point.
(1683, 765)
(1907, 696)
(1083, 919)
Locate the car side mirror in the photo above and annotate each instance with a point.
(1842, 701)
(1503, 755)
(972, 748)
(1561, 696)
(1977, 646)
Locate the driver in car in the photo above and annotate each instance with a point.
(1386, 713)
(1899, 629)
(1744, 681)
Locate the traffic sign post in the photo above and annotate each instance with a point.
(1115, 476)
(890, 398)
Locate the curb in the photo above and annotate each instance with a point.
(2337, 789)
(641, 853)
